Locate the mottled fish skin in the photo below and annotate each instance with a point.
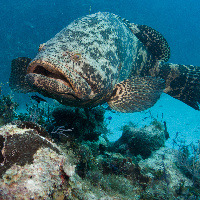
(93, 54)
(104, 58)
(182, 82)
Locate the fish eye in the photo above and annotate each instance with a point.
(76, 57)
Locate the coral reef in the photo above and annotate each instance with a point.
(7, 109)
(156, 177)
(31, 166)
(140, 141)
(81, 124)
(188, 160)
(87, 124)
(166, 176)
(40, 113)
(83, 164)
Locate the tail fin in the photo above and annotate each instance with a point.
(182, 82)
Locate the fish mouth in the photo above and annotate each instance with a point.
(48, 70)
(57, 81)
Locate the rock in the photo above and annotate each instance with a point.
(163, 161)
(166, 177)
(140, 141)
(31, 166)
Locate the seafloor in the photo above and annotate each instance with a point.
(58, 152)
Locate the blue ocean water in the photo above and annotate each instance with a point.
(26, 24)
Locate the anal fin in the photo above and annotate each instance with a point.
(137, 94)
(17, 80)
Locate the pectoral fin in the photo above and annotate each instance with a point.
(137, 94)
(17, 80)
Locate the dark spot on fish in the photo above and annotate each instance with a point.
(87, 69)
(78, 35)
(114, 92)
(111, 57)
(118, 43)
(103, 67)
(108, 71)
(106, 33)
(95, 21)
(95, 53)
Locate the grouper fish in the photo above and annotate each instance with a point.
(104, 58)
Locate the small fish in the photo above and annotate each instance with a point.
(109, 118)
(37, 98)
(104, 58)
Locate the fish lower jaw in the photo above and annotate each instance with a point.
(65, 83)
(48, 84)
(48, 70)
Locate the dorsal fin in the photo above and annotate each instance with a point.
(152, 39)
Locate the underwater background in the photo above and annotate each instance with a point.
(94, 156)
(27, 24)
